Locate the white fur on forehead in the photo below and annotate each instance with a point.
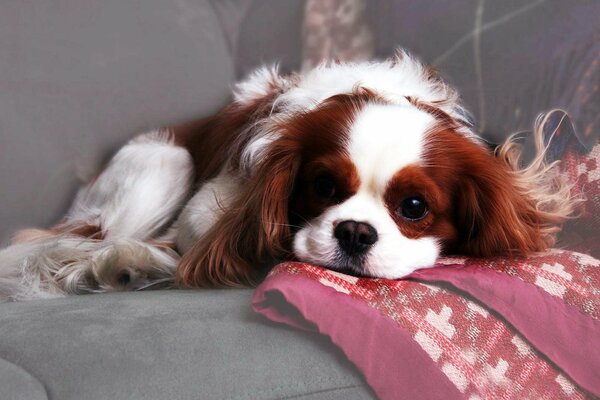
(394, 79)
(261, 82)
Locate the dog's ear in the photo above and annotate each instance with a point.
(493, 218)
(254, 230)
(502, 208)
(254, 227)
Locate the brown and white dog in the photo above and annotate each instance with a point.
(367, 168)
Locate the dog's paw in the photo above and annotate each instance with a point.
(129, 265)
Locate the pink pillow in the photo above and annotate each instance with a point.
(493, 328)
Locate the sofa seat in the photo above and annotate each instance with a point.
(205, 344)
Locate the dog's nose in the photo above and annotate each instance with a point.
(355, 237)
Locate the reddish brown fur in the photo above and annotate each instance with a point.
(217, 259)
(434, 109)
(414, 181)
(490, 215)
(257, 226)
(323, 133)
(306, 204)
(247, 233)
(211, 140)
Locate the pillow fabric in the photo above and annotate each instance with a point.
(469, 328)
(583, 233)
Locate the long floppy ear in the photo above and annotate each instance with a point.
(254, 227)
(250, 233)
(493, 218)
(503, 208)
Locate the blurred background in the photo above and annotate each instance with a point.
(80, 77)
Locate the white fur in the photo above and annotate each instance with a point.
(204, 209)
(393, 79)
(383, 140)
(140, 190)
(258, 84)
(67, 264)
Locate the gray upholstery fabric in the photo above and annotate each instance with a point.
(78, 78)
(204, 344)
(18, 384)
(270, 33)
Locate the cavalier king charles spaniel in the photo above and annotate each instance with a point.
(370, 168)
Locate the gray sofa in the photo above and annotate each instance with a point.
(78, 78)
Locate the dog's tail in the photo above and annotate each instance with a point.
(57, 265)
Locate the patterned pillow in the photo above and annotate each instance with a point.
(467, 329)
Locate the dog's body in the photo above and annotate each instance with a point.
(368, 168)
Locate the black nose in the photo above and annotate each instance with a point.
(355, 237)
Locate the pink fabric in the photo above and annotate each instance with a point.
(569, 338)
(583, 170)
(391, 362)
(530, 329)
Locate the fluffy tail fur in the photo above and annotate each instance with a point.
(66, 264)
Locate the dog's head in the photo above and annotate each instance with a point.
(371, 169)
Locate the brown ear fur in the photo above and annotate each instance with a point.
(493, 218)
(253, 230)
(254, 227)
(500, 208)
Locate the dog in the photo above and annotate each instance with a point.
(372, 169)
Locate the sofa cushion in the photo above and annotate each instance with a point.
(17, 384)
(205, 344)
(79, 78)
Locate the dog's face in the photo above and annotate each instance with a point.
(382, 189)
(362, 194)
(365, 204)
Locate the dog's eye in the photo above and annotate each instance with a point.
(325, 186)
(413, 208)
